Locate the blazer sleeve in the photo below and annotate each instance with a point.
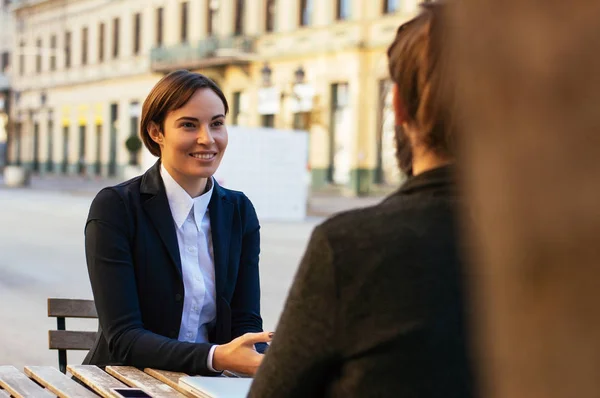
(303, 353)
(245, 303)
(109, 235)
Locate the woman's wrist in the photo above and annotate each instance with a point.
(219, 359)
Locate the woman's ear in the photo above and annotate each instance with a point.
(155, 133)
(399, 109)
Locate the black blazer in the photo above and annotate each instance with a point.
(376, 308)
(135, 272)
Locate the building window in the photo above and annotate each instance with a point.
(137, 26)
(211, 16)
(38, 56)
(390, 6)
(17, 144)
(53, 52)
(159, 26)
(184, 22)
(115, 38)
(81, 167)
(236, 108)
(270, 16)
(101, 42)
(239, 18)
(301, 120)
(22, 58)
(342, 11)
(67, 50)
(98, 165)
(305, 12)
(84, 46)
(65, 150)
(50, 149)
(268, 121)
(5, 61)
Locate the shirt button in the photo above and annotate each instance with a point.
(191, 249)
(195, 309)
(189, 335)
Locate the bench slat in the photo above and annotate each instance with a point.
(134, 377)
(57, 382)
(70, 340)
(169, 378)
(19, 385)
(97, 379)
(71, 308)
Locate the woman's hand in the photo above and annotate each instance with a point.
(239, 355)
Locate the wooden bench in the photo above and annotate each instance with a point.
(62, 339)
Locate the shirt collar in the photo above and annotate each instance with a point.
(181, 202)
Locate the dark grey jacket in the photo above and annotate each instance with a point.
(376, 309)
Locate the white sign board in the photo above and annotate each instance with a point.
(269, 166)
(269, 99)
(302, 100)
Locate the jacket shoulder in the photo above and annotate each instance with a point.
(115, 199)
(238, 198)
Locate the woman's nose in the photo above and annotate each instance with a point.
(204, 136)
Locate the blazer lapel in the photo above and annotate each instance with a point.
(221, 216)
(156, 206)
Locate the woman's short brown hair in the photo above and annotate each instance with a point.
(172, 92)
(418, 67)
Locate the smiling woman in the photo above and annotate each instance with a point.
(172, 256)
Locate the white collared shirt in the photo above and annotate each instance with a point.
(192, 224)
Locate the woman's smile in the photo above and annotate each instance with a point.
(204, 156)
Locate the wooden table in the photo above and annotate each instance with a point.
(46, 381)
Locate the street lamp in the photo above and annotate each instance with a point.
(266, 73)
(299, 75)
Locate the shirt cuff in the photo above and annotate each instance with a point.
(209, 360)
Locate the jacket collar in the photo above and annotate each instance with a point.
(440, 178)
(152, 183)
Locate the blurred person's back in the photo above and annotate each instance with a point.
(400, 305)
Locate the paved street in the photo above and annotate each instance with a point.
(42, 255)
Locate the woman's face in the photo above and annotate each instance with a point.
(195, 137)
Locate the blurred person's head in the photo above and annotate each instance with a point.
(424, 126)
(183, 123)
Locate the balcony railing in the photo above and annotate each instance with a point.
(213, 51)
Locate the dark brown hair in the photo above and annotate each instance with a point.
(417, 66)
(172, 92)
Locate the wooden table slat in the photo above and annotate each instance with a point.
(169, 378)
(97, 379)
(19, 385)
(57, 382)
(136, 378)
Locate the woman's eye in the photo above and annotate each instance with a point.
(188, 125)
(218, 123)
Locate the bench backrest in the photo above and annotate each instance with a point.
(62, 339)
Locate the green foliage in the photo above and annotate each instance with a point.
(133, 144)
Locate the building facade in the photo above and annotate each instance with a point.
(6, 41)
(82, 68)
